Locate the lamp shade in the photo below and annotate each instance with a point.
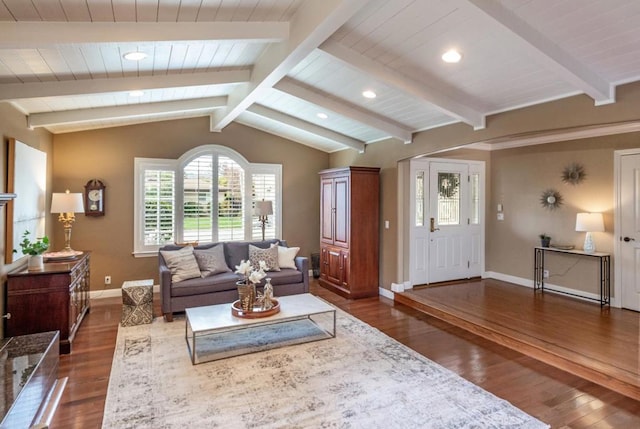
(66, 203)
(589, 222)
(263, 208)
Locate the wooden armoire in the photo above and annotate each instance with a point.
(349, 230)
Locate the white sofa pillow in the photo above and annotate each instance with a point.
(287, 256)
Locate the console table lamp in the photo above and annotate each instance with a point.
(67, 204)
(263, 209)
(589, 222)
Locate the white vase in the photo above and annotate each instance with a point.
(36, 263)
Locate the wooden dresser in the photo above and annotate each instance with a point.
(56, 298)
(349, 230)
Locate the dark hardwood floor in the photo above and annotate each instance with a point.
(552, 395)
(597, 343)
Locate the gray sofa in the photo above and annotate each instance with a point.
(221, 288)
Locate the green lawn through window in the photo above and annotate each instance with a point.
(193, 224)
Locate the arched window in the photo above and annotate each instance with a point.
(207, 195)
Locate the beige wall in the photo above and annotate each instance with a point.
(108, 155)
(519, 177)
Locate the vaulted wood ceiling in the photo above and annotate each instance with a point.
(276, 64)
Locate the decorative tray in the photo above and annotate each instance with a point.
(257, 312)
(563, 246)
(61, 256)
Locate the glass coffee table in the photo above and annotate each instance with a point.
(212, 332)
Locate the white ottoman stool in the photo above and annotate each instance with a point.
(137, 302)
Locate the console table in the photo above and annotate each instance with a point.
(53, 299)
(604, 278)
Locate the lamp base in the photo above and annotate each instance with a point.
(589, 245)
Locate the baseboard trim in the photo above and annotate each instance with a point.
(575, 293)
(387, 293)
(113, 293)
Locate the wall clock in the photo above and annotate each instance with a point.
(94, 193)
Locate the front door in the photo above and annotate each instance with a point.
(446, 223)
(630, 231)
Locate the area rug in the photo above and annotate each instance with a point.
(359, 379)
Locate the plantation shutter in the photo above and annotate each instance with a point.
(159, 213)
(230, 200)
(263, 187)
(198, 200)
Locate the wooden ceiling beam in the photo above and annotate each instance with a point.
(46, 119)
(15, 91)
(39, 34)
(344, 108)
(288, 120)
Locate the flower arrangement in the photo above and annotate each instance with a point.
(250, 274)
(247, 286)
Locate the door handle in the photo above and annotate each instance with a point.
(433, 223)
(628, 239)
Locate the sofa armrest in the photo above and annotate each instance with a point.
(302, 264)
(165, 285)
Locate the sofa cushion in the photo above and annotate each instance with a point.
(269, 256)
(211, 261)
(287, 256)
(182, 263)
(199, 286)
(283, 277)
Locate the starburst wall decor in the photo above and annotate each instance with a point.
(551, 199)
(573, 173)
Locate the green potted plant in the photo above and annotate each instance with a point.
(545, 240)
(34, 250)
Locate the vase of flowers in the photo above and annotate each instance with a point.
(34, 250)
(247, 286)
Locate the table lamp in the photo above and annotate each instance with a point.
(67, 204)
(262, 209)
(589, 222)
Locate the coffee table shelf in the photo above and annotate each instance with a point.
(213, 332)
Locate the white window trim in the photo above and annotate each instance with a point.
(265, 169)
(177, 165)
(140, 166)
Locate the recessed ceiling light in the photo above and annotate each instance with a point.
(322, 115)
(135, 56)
(451, 56)
(136, 93)
(369, 94)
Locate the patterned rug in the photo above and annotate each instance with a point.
(360, 379)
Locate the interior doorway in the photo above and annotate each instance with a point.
(445, 220)
(627, 229)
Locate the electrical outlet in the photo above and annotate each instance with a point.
(545, 274)
(107, 280)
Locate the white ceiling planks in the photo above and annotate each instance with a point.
(278, 63)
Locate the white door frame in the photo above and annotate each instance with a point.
(406, 216)
(617, 221)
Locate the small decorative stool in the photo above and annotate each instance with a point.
(137, 302)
